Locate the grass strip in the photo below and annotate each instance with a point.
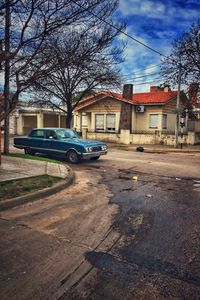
(18, 187)
(27, 156)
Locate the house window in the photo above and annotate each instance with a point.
(153, 121)
(164, 121)
(110, 122)
(84, 120)
(99, 122)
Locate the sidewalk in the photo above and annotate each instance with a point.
(157, 148)
(16, 168)
(13, 168)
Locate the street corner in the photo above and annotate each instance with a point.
(62, 171)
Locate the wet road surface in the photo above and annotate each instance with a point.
(128, 229)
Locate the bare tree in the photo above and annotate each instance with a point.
(187, 51)
(32, 22)
(81, 61)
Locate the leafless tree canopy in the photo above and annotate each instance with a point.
(32, 23)
(187, 51)
(80, 59)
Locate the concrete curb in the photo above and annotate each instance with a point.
(170, 151)
(34, 196)
(154, 150)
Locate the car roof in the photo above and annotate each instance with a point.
(51, 128)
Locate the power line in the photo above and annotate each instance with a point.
(139, 71)
(149, 82)
(119, 30)
(146, 75)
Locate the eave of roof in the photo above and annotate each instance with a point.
(151, 98)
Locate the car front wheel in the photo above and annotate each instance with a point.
(73, 157)
(29, 151)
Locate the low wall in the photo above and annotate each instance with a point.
(102, 136)
(142, 138)
(191, 138)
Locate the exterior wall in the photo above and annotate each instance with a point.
(13, 124)
(170, 106)
(141, 121)
(108, 105)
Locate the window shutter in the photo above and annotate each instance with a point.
(110, 122)
(99, 122)
(153, 121)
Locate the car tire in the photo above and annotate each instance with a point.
(29, 151)
(95, 158)
(73, 157)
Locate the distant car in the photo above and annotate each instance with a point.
(60, 142)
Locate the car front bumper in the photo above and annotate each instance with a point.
(93, 154)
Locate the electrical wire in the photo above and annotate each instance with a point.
(119, 30)
(146, 75)
(149, 82)
(144, 69)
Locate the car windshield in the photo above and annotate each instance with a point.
(67, 134)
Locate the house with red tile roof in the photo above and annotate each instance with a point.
(147, 116)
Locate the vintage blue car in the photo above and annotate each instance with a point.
(60, 142)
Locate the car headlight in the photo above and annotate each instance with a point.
(104, 147)
(88, 149)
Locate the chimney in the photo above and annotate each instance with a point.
(154, 89)
(128, 91)
(126, 108)
(167, 88)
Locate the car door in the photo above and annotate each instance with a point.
(51, 144)
(36, 140)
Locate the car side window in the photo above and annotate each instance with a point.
(67, 135)
(38, 134)
(50, 134)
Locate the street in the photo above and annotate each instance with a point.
(128, 228)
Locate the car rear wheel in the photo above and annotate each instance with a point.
(95, 158)
(73, 157)
(29, 151)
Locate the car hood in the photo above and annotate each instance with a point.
(85, 143)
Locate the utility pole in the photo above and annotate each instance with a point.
(178, 105)
(7, 75)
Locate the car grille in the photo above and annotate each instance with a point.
(98, 148)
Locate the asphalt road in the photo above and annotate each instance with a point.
(127, 229)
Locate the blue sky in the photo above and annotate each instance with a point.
(156, 23)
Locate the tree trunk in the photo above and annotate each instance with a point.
(69, 119)
(7, 76)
